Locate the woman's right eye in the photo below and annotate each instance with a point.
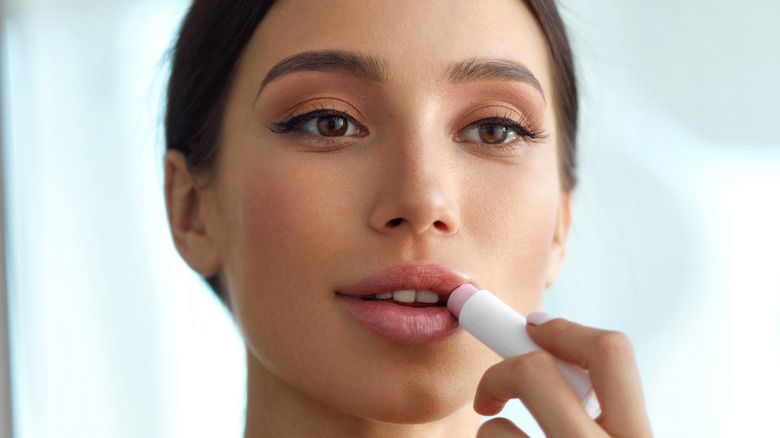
(331, 126)
(321, 123)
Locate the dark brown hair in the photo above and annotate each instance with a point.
(215, 33)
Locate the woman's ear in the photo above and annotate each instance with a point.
(560, 237)
(187, 207)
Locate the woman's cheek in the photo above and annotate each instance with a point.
(278, 269)
(513, 224)
(287, 217)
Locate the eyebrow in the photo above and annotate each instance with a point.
(373, 69)
(475, 69)
(337, 61)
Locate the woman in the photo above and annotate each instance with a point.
(336, 169)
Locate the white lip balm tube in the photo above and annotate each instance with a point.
(503, 330)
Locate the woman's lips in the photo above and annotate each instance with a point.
(418, 322)
(409, 325)
(431, 276)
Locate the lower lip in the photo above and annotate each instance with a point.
(408, 325)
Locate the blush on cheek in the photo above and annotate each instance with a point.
(286, 218)
(265, 219)
(273, 220)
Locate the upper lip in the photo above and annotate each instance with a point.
(434, 277)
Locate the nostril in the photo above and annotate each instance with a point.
(395, 222)
(441, 226)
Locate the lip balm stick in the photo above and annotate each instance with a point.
(503, 330)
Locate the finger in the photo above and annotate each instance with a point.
(500, 428)
(535, 379)
(609, 358)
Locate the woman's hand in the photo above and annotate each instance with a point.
(535, 379)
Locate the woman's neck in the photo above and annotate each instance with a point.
(275, 408)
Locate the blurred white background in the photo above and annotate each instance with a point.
(676, 237)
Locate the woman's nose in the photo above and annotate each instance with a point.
(417, 192)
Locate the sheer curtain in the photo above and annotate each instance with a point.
(675, 239)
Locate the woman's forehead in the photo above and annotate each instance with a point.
(409, 39)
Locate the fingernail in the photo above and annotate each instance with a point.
(538, 318)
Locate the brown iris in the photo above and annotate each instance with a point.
(493, 134)
(332, 126)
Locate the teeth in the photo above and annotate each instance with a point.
(404, 296)
(410, 296)
(426, 296)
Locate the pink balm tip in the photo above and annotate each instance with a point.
(458, 298)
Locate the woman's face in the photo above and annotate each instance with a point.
(407, 145)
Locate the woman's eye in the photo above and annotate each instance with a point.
(320, 123)
(490, 132)
(330, 126)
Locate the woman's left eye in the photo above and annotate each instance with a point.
(493, 131)
(490, 134)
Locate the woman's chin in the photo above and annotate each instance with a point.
(411, 405)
